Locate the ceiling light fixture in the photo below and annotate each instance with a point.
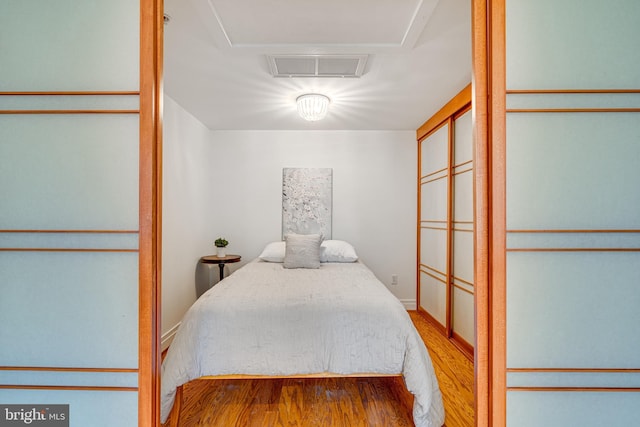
(313, 106)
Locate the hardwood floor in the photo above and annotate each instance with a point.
(331, 401)
(454, 372)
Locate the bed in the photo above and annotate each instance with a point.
(334, 320)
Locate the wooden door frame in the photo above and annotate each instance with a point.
(488, 93)
(489, 116)
(150, 220)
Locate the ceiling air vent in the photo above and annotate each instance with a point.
(317, 65)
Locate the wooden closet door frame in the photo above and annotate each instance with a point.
(151, 56)
(489, 124)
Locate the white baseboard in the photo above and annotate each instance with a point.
(409, 304)
(167, 337)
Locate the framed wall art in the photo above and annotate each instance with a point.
(307, 201)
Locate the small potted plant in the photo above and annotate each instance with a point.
(221, 246)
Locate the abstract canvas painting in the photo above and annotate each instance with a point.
(306, 201)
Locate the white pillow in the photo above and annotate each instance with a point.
(273, 252)
(337, 251)
(302, 250)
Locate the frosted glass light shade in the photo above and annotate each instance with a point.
(312, 106)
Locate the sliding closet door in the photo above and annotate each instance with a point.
(76, 224)
(462, 254)
(572, 213)
(434, 224)
(446, 228)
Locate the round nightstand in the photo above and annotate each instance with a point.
(221, 261)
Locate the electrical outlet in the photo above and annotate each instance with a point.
(394, 279)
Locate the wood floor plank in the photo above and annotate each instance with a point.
(335, 402)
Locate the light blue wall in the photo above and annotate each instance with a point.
(573, 345)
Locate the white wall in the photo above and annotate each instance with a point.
(229, 183)
(374, 192)
(186, 204)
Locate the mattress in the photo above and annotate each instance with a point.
(267, 320)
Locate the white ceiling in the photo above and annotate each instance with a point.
(216, 63)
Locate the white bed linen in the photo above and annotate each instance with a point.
(267, 320)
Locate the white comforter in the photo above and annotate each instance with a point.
(267, 320)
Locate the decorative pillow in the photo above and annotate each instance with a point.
(273, 252)
(302, 250)
(337, 251)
